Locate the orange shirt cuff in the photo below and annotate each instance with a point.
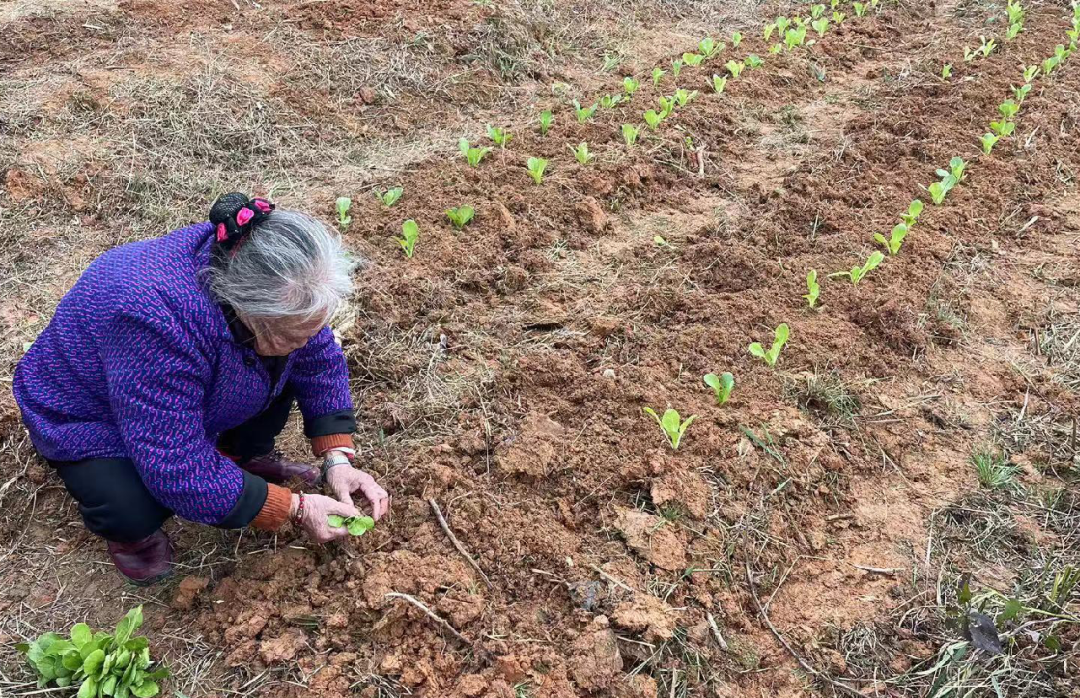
(322, 444)
(275, 511)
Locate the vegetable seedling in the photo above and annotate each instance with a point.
(1003, 129)
(820, 26)
(389, 197)
(721, 385)
(667, 105)
(1021, 93)
(718, 83)
(782, 23)
(708, 47)
(1009, 108)
(735, 68)
(472, 155)
(795, 37)
(581, 152)
(816, 11)
(988, 141)
(939, 190)
(946, 71)
(583, 113)
(860, 9)
(769, 29)
(672, 424)
(956, 169)
(1013, 31)
(895, 239)
(500, 137)
(838, 18)
(536, 167)
(970, 54)
(754, 61)
(630, 85)
(676, 67)
(736, 39)
(1030, 72)
(858, 273)
(609, 101)
(692, 59)
(812, 288)
(410, 233)
(780, 338)
(914, 210)
(987, 47)
(657, 73)
(546, 120)
(343, 205)
(683, 97)
(356, 525)
(776, 48)
(630, 134)
(652, 119)
(461, 215)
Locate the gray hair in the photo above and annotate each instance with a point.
(291, 266)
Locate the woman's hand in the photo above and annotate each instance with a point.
(344, 480)
(313, 519)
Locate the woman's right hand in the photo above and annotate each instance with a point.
(314, 517)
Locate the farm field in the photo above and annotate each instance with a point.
(875, 493)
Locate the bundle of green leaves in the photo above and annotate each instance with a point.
(100, 664)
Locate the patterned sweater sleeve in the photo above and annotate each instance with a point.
(156, 378)
(320, 380)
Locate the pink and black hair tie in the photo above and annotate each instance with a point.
(234, 215)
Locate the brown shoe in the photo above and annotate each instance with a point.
(145, 561)
(273, 468)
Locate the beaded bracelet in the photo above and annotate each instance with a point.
(299, 515)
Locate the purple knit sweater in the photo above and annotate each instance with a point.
(139, 362)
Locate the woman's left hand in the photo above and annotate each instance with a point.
(345, 479)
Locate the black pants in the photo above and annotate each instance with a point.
(115, 503)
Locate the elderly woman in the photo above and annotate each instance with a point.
(172, 364)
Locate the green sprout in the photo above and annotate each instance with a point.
(343, 205)
(546, 120)
(500, 137)
(820, 26)
(769, 29)
(838, 18)
(776, 48)
(708, 47)
(834, 4)
(389, 197)
(609, 101)
(895, 239)
(581, 152)
(673, 425)
(813, 289)
(780, 338)
(817, 11)
(956, 169)
(356, 525)
(410, 233)
(1003, 128)
(946, 71)
(630, 85)
(584, 113)
(657, 73)
(630, 134)
(652, 119)
(721, 385)
(1021, 93)
(987, 47)
(718, 83)
(683, 97)
(676, 67)
(754, 61)
(1009, 108)
(1016, 12)
(795, 37)
(860, 9)
(461, 215)
(1013, 31)
(736, 39)
(858, 273)
(472, 155)
(692, 59)
(993, 472)
(988, 141)
(667, 105)
(735, 68)
(536, 167)
(1030, 72)
(782, 23)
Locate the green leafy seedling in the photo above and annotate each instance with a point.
(817, 11)
(536, 167)
(782, 23)
(721, 385)
(736, 39)
(472, 155)
(718, 83)
(609, 101)
(630, 85)
(546, 120)
(389, 197)
(780, 338)
(693, 59)
(410, 233)
(754, 61)
(1003, 129)
(895, 239)
(652, 119)
(1030, 72)
(708, 47)
(676, 67)
(461, 215)
(667, 105)
(1021, 93)
(795, 37)
(630, 134)
(1009, 108)
(584, 113)
(820, 26)
(770, 28)
(673, 425)
(860, 8)
(683, 97)
(1013, 31)
(499, 136)
(988, 141)
(812, 288)
(657, 74)
(946, 71)
(581, 152)
(356, 525)
(343, 205)
(914, 210)
(735, 68)
(956, 169)
(987, 47)
(858, 273)
(838, 18)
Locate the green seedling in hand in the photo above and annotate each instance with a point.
(546, 120)
(692, 59)
(536, 167)
(895, 239)
(472, 155)
(857, 274)
(914, 210)
(736, 39)
(988, 141)
(389, 197)
(652, 119)
(500, 137)
(718, 83)
(343, 204)
(609, 101)
(735, 68)
(461, 215)
(630, 85)
(583, 113)
(356, 525)
(721, 385)
(673, 425)
(630, 134)
(780, 338)
(657, 73)
(581, 152)
(410, 233)
(812, 288)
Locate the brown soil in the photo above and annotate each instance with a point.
(504, 369)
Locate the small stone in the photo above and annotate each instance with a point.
(609, 373)
(367, 95)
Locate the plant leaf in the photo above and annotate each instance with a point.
(81, 634)
(670, 421)
(713, 381)
(757, 350)
(89, 688)
(93, 663)
(359, 525)
(335, 521)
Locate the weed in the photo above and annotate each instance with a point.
(672, 424)
(826, 394)
(993, 471)
(780, 338)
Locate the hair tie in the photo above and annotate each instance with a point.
(233, 216)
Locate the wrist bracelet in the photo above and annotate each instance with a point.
(333, 460)
(299, 515)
